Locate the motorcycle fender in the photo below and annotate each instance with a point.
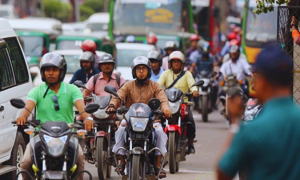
(102, 134)
(173, 128)
(76, 145)
(33, 141)
(137, 150)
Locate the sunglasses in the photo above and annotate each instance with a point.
(56, 106)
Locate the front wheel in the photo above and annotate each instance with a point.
(204, 108)
(101, 156)
(172, 152)
(136, 167)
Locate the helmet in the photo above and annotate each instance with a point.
(53, 59)
(234, 49)
(231, 36)
(194, 37)
(106, 58)
(177, 55)
(140, 60)
(234, 42)
(89, 45)
(152, 39)
(130, 39)
(87, 56)
(154, 55)
(170, 45)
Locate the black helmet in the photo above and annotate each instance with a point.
(154, 55)
(140, 60)
(87, 56)
(53, 59)
(106, 58)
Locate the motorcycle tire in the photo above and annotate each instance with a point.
(17, 155)
(101, 154)
(136, 167)
(172, 152)
(204, 101)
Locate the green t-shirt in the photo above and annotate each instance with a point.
(66, 97)
(269, 146)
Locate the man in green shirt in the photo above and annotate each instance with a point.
(54, 100)
(268, 147)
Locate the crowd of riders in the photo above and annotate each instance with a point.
(160, 70)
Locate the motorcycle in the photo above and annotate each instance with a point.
(53, 149)
(139, 138)
(176, 127)
(101, 140)
(205, 91)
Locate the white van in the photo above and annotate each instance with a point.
(98, 22)
(15, 82)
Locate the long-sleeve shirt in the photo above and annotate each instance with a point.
(82, 76)
(184, 83)
(132, 92)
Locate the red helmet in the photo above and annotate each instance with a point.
(152, 39)
(89, 45)
(194, 37)
(234, 42)
(231, 36)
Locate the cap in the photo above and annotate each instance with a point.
(273, 60)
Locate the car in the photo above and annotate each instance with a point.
(72, 58)
(98, 22)
(15, 82)
(126, 53)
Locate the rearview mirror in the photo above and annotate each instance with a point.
(111, 89)
(79, 84)
(90, 108)
(199, 83)
(17, 103)
(154, 103)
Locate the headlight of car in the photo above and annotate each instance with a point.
(175, 106)
(55, 145)
(101, 114)
(139, 124)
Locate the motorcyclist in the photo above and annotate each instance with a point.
(152, 40)
(195, 55)
(170, 47)
(177, 61)
(91, 46)
(233, 42)
(226, 47)
(87, 69)
(53, 68)
(194, 45)
(156, 61)
(141, 90)
(105, 77)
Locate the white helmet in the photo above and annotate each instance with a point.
(177, 55)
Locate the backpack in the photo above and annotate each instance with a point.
(117, 78)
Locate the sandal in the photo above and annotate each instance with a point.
(162, 173)
(121, 168)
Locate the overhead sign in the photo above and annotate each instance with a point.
(202, 3)
(159, 15)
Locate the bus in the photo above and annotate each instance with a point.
(141, 17)
(257, 30)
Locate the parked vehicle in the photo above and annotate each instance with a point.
(54, 149)
(176, 127)
(99, 143)
(15, 83)
(205, 91)
(139, 138)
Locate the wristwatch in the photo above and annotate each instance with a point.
(294, 24)
(90, 118)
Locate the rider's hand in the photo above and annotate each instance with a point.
(113, 116)
(195, 93)
(89, 124)
(167, 113)
(21, 121)
(235, 108)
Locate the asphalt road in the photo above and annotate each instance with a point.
(200, 166)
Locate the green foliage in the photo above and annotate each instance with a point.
(57, 9)
(264, 6)
(85, 12)
(96, 5)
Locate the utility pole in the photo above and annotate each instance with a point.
(76, 12)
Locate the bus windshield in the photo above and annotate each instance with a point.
(138, 17)
(260, 28)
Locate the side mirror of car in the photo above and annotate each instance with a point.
(17, 103)
(154, 104)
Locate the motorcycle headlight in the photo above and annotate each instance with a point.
(139, 124)
(101, 114)
(55, 146)
(174, 106)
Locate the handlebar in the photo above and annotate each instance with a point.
(33, 123)
(122, 110)
(189, 95)
(158, 112)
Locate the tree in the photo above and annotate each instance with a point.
(57, 9)
(96, 5)
(264, 6)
